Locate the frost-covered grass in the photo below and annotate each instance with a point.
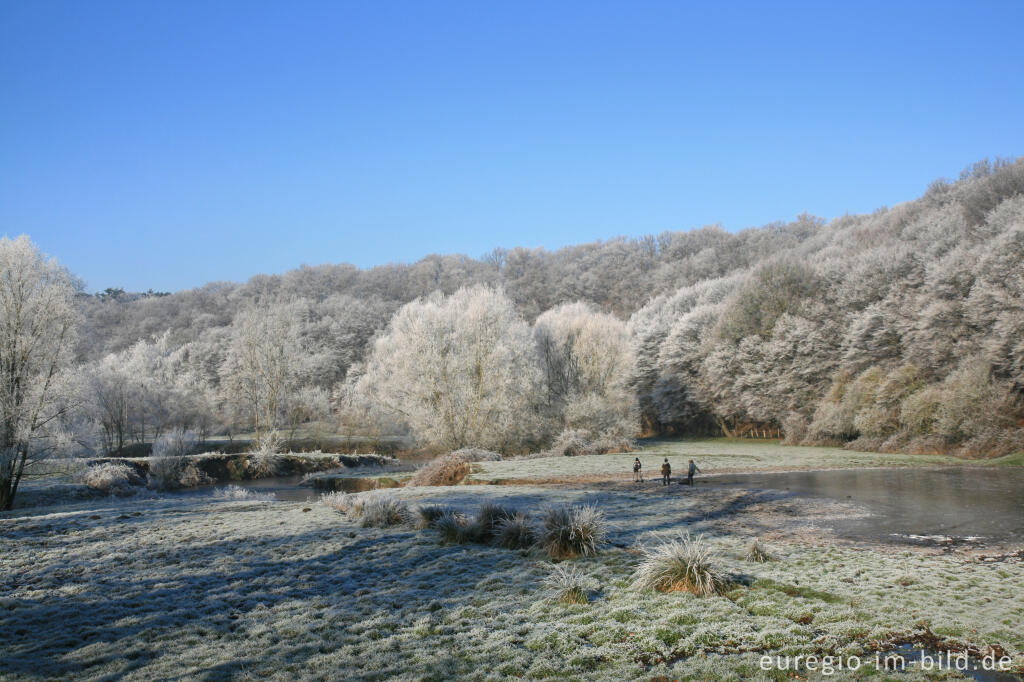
(712, 456)
(567, 583)
(193, 587)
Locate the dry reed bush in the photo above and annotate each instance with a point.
(108, 477)
(757, 553)
(515, 532)
(569, 532)
(682, 565)
(450, 469)
(567, 584)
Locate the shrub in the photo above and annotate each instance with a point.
(572, 532)
(576, 442)
(234, 492)
(108, 477)
(168, 467)
(265, 460)
(606, 444)
(757, 553)
(794, 428)
(515, 532)
(683, 565)
(569, 443)
(382, 511)
(567, 584)
(476, 455)
(176, 443)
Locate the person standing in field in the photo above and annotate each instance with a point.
(637, 473)
(690, 471)
(666, 473)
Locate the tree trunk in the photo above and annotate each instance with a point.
(6, 495)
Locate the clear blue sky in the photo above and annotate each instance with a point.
(166, 144)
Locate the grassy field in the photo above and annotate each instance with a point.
(201, 588)
(712, 456)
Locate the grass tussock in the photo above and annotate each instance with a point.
(682, 565)
(488, 519)
(567, 584)
(431, 513)
(492, 524)
(758, 553)
(455, 530)
(570, 532)
(373, 510)
(516, 532)
(384, 511)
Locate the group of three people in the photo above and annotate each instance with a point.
(666, 472)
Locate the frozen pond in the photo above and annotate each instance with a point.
(910, 505)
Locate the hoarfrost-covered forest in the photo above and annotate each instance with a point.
(901, 330)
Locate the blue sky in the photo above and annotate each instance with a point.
(166, 144)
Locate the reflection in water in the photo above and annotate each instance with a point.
(960, 502)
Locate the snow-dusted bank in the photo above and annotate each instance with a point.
(230, 586)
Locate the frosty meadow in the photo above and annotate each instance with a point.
(426, 471)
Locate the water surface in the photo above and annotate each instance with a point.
(962, 504)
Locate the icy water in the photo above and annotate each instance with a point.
(925, 506)
(284, 488)
(910, 505)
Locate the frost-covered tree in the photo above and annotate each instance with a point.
(587, 361)
(37, 340)
(461, 370)
(263, 364)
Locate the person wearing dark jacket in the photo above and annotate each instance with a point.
(691, 470)
(638, 475)
(666, 472)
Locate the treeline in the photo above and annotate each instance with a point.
(902, 330)
(899, 330)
